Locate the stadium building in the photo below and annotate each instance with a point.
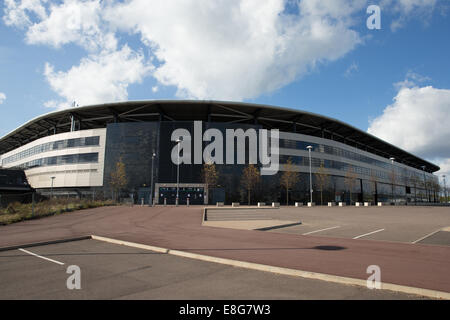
(75, 151)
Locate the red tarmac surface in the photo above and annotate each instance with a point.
(416, 265)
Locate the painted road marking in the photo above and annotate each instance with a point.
(321, 230)
(36, 255)
(424, 237)
(366, 234)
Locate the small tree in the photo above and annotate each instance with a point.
(373, 181)
(393, 179)
(118, 179)
(289, 177)
(415, 182)
(209, 175)
(250, 178)
(350, 181)
(322, 178)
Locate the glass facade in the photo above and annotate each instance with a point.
(61, 160)
(54, 145)
(134, 143)
(346, 154)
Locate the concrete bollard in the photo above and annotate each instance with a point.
(142, 202)
(358, 204)
(165, 202)
(342, 204)
(219, 204)
(299, 204)
(275, 204)
(261, 204)
(367, 204)
(187, 202)
(331, 204)
(311, 204)
(235, 204)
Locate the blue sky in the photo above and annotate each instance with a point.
(317, 56)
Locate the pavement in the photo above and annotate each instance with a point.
(109, 271)
(180, 228)
(408, 224)
(251, 224)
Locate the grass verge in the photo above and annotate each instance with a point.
(16, 212)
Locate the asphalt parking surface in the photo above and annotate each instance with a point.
(407, 224)
(180, 228)
(110, 271)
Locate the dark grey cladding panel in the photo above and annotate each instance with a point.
(189, 173)
(134, 143)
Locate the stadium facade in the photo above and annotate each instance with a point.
(75, 151)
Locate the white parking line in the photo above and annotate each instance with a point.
(304, 234)
(36, 255)
(428, 235)
(366, 234)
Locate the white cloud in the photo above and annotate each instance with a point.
(419, 122)
(225, 49)
(99, 78)
(236, 49)
(17, 13)
(73, 21)
(408, 9)
(353, 68)
(2, 97)
(412, 79)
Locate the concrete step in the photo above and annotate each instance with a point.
(233, 216)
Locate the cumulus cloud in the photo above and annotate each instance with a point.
(98, 78)
(224, 49)
(17, 13)
(419, 122)
(403, 10)
(73, 22)
(2, 97)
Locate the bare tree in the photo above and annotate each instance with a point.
(118, 179)
(250, 178)
(393, 179)
(436, 187)
(350, 180)
(289, 177)
(373, 181)
(415, 182)
(322, 178)
(209, 175)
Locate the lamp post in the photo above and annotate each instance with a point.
(445, 189)
(393, 177)
(178, 171)
(51, 189)
(151, 181)
(310, 174)
(424, 181)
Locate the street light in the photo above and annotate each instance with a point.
(445, 189)
(151, 182)
(424, 181)
(51, 189)
(393, 177)
(310, 174)
(178, 170)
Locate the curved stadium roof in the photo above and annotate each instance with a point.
(290, 120)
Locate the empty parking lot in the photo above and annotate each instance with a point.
(110, 271)
(408, 224)
(413, 265)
